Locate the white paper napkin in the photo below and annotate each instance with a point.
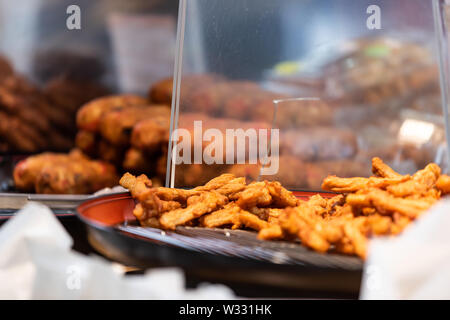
(414, 265)
(36, 262)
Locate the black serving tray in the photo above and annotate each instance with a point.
(234, 257)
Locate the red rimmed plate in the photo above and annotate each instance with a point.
(218, 255)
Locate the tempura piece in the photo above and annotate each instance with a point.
(250, 221)
(255, 195)
(422, 181)
(228, 216)
(347, 185)
(356, 237)
(380, 169)
(294, 225)
(272, 232)
(136, 185)
(386, 203)
(216, 183)
(207, 202)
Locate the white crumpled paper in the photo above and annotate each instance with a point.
(36, 262)
(414, 265)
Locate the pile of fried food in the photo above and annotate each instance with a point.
(381, 205)
(60, 173)
(127, 130)
(115, 132)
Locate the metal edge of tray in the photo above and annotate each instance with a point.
(61, 204)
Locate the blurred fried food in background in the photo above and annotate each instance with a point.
(382, 205)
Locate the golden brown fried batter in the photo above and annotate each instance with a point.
(136, 185)
(272, 232)
(386, 203)
(422, 181)
(250, 221)
(63, 173)
(228, 216)
(347, 185)
(293, 224)
(255, 195)
(380, 169)
(381, 205)
(207, 202)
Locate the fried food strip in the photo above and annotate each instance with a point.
(207, 202)
(399, 223)
(216, 183)
(170, 194)
(255, 195)
(379, 225)
(140, 189)
(265, 193)
(386, 203)
(233, 187)
(331, 230)
(144, 218)
(357, 238)
(266, 214)
(381, 205)
(348, 185)
(272, 232)
(136, 185)
(281, 197)
(292, 224)
(250, 220)
(382, 170)
(422, 181)
(156, 206)
(229, 215)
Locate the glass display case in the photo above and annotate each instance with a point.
(58, 55)
(322, 87)
(64, 67)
